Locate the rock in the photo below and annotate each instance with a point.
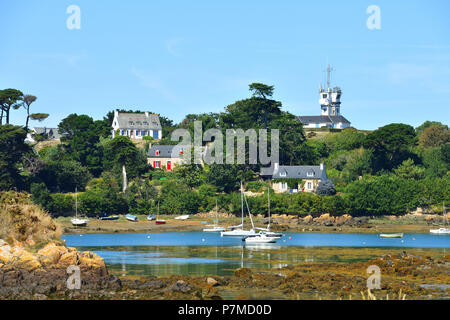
(243, 272)
(91, 259)
(51, 254)
(69, 259)
(5, 253)
(308, 219)
(24, 259)
(39, 296)
(181, 286)
(211, 281)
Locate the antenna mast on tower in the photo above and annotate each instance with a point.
(329, 70)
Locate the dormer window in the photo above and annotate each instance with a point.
(145, 123)
(138, 123)
(157, 152)
(131, 123)
(283, 174)
(310, 174)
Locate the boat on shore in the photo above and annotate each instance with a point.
(108, 218)
(78, 222)
(159, 221)
(183, 217)
(130, 217)
(391, 235)
(151, 217)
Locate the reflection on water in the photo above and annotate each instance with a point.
(208, 254)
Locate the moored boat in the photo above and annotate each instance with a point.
(78, 222)
(159, 221)
(260, 238)
(183, 217)
(442, 230)
(215, 227)
(107, 218)
(391, 235)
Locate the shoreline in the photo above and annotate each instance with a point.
(197, 224)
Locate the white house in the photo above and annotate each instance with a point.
(136, 125)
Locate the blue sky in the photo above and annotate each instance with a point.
(180, 57)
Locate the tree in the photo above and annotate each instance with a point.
(190, 174)
(79, 131)
(434, 136)
(121, 153)
(326, 188)
(407, 170)
(224, 177)
(427, 124)
(28, 99)
(64, 176)
(12, 150)
(391, 145)
(9, 98)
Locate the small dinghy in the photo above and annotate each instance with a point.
(151, 217)
(108, 218)
(391, 235)
(184, 217)
(159, 221)
(130, 217)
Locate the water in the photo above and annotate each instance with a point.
(198, 253)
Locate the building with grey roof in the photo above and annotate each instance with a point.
(47, 134)
(166, 156)
(294, 178)
(137, 125)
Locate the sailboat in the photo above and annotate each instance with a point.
(159, 221)
(77, 222)
(215, 227)
(265, 235)
(442, 230)
(267, 231)
(238, 231)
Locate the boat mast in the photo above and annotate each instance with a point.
(217, 217)
(76, 203)
(242, 206)
(268, 198)
(249, 213)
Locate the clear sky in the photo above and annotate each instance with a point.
(180, 57)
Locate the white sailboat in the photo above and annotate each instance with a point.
(215, 227)
(238, 231)
(442, 230)
(267, 231)
(77, 222)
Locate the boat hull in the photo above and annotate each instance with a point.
(393, 235)
(440, 231)
(218, 229)
(237, 233)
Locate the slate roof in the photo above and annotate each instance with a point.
(139, 121)
(51, 132)
(322, 119)
(295, 172)
(166, 151)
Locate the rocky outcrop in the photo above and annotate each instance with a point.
(27, 274)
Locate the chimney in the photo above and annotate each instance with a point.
(146, 114)
(322, 166)
(275, 167)
(116, 113)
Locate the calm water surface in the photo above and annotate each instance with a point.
(198, 253)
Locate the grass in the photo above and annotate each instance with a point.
(22, 220)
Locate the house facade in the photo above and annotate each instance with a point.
(48, 133)
(137, 125)
(294, 178)
(165, 156)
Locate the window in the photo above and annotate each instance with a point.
(138, 123)
(143, 132)
(324, 95)
(121, 132)
(131, 123)
(309, 186)
(310, 174)
(157, 152)
(284, 186)
(156, 164)
(283, 174)
(145, 123)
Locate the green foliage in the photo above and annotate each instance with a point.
(391, 145)
(64, 176)
(224, 177)
(407, 170)
(348, 139)
(434, 136)
(190, 174)
(141, 196)
(12, 150)
(177, 198)
(40, 194)
(103, 196)
(326, 188)
(256, 186)
(9, 98)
